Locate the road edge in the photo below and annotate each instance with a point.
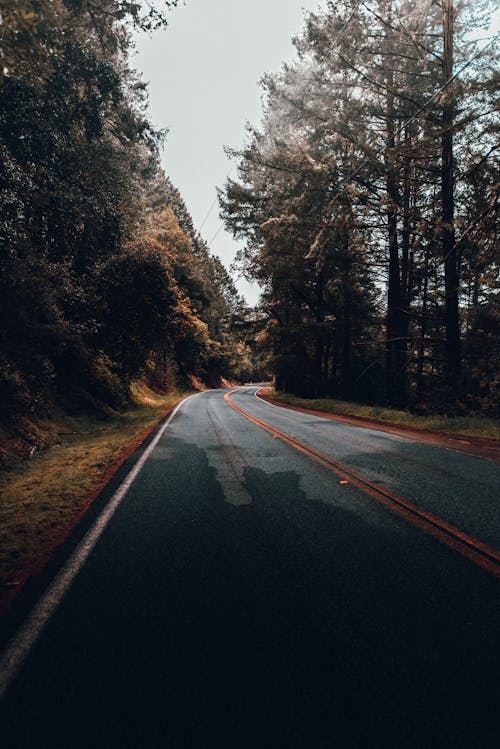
(479, 447)
(10, 596)
(24, 627)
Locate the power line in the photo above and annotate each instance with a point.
(344, 27)
(408, 122)
(216, 234)
(208, 214)
(419, 112)
(214, 203)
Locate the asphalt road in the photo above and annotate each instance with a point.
(242, 597)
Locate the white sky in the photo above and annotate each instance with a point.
(203, 71)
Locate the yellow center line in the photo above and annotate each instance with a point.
(476, 551)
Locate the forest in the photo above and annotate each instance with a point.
(366, 200)
(368, 203)
(103, 277)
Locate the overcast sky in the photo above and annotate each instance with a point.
(203, 71)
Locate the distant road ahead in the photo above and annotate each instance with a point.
(245, 594)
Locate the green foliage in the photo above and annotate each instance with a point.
(482, 358)
(102, 276)
(368, 202)
(138, 302)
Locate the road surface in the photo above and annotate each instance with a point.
(247, 594)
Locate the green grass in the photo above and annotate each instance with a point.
(470, 426)
(43, 497)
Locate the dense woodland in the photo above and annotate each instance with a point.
(368, 201)
(103, 278)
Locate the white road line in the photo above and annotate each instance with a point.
(285, 412)
(27, 635)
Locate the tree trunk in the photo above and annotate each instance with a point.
(406, 233)
(423, 331)
(451, 279)
(395, 331)
(347, 280)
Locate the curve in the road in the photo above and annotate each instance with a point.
(473, 549)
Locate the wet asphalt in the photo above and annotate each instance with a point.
(242, 597)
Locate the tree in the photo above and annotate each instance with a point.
(101, 280)
(381, 136)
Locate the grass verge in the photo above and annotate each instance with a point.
(43, 498)
(468, 426)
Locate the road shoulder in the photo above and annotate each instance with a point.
(30, 557)
(481, 447)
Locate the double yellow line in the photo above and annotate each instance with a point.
(474, 550)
